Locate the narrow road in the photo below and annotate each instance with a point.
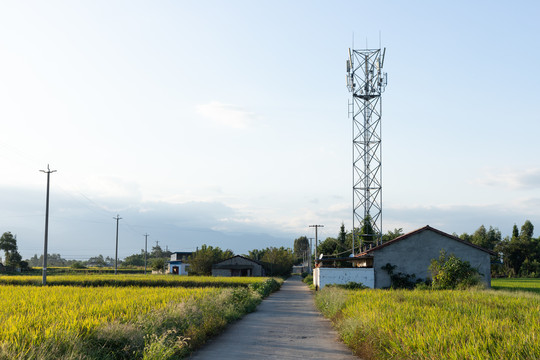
(285, 326)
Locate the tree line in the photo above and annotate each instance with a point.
(276, 261)
(518, 255)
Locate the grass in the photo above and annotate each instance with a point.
(516, 284)
(450, 324)
(122, 322)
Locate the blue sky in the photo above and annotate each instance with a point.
(226, 123)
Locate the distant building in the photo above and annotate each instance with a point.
(178, 265)
(411, 254)
(238, 266)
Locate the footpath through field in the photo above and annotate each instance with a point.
(285, 326)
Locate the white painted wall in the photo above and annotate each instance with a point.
(325, 276)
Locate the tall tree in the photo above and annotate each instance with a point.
(392, 234)
(301, 246)
(12, 258)
(200, 263)
(279, 261)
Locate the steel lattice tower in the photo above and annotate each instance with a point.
(366, 81)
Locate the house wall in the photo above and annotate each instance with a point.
(221, 270)
(325, 276)
(413, 255)
(181, 267)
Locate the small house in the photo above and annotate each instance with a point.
(178, 264)
(238, 266)
(410, 254)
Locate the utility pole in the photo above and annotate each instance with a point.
(48, 172)
(117, 218)
(316, 237)
(310, 247)
(145, 250)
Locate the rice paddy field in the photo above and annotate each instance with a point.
(122, 317)
(448, 324)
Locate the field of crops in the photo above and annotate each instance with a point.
(422, 324)
(130, 280)
(511, 284)
(122, 321)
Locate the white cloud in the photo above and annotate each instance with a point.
(227, 115)
(527, 179)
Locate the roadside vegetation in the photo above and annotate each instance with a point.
(93, 320)
(429, 324)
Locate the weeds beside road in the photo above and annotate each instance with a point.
(426, 324)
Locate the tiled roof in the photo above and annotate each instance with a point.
(427, 227)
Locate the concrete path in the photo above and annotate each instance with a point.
(285, 326)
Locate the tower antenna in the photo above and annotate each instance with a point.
(366, 81)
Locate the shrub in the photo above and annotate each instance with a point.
(351, 285)
(78, 265)
(450, 272)
(308, 279)
(401, 280)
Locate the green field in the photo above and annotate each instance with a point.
(128, 317)
(449, 324)
(519, 284)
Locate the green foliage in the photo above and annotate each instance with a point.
(516, 284)
(400, 280)
(266, 287)
(12, 258)
(308, 279)
(391, 235)
(351, 285)
(157, 264)
(78, 265)
(135, 260)
(279, 261)
(202, 260)
(450, 272)
(336, 247)
(301, 246)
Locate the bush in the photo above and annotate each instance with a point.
(308, 279)
(401, 280)
(450, 272)
(78, 265)
(265, 288)
(351, 285)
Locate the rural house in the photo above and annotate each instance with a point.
(238, 266)
(411, 254)
(178, 264)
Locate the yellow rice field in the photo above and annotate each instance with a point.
(30, 315)
(449, 324)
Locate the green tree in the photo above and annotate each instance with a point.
(391, 235)
(279, 261)
(135, 260)
(255, 254)
(301, 246)
(200, 263)
(450, 272)
(157, 264)
(520, 249)
(98, 261)
(12, 258)
(487, 239)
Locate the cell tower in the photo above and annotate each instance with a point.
(366, 81)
